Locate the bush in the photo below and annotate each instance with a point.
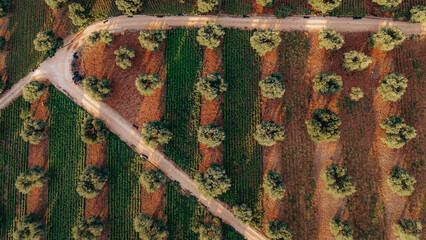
(213, 182)
(152, 40)
(337, 182)
(97, 89)
(387, 5)
(330, 39)
(152, 180)
(210, 35)
(401, 181)
(393, 87)
(267, 133)
(266, 3)
(155, 133)
(3, 7)
(93, 131)
(265, 41)
(211, 85)
(33, 90)
(328, 83)
(325, 6)
(282, 11)
(78, 14)
(210, 231)
(150, 228)
(273, 185)
(207, 5)
(147, 84)
(418, 14)
(44, 41)
(55, 4)
(88, 229)
(102, 35)
(243, 212)
(91, 181)
(34, 131)
(354, 60)
(129, 7)
(26, 113)
(408, 229)
(356, 94)
(278, 230)
(93, 39)
(211, 135)
(398, 133)
(29, 228)
(123, 57)
(324, 126)
(33, 177)
(387, 38)
(341, 230)
(2, 43)
(272, 86)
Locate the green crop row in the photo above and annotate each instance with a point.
(236, 7)
(173, 7)
(100, 9)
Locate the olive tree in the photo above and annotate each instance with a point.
(129, 7)
(324, 126)
(243, 212)
(210, 35)
(392, 87)
(88, 229)
(354, 60)
(150, 228)
(55, 4)
(211, 85)
(211, 135)
(272, 86)
(278, 230)
(91, 181)
(387, 5)
(33, 177)
(147, 84)
(266, 3)
(387, 38)
(152, 180)
(264, 41)
(210, 231)
(273, 185)
(328, 83)
(34, 131)
(418, 14)
(330, 39)
(325, 6)
(30, 228)
(93, 130)
(398, 133)
(267, 133)
(26, 113)
(44, 41)
(337, 182)
(33, 90)
(356, 94)
(97, 89)
(341, 230)
(152, 39)
(401, 181)
(123, 57)
(100, 36)
(93, 39)
(213, 182)
(408, 229)
(154, 133)
(282, 11)
(207, 5)
(78, 14)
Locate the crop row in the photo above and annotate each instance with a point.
(100, 9)
(169, 7)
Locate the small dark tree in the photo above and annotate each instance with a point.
(387, 5)
(212, 183)
(265, 41)
(210, 231)
(341, 230)
(150, 228)
(93, 130)
(393, 86)
(418, 14)
(267, 133)
(398, 133)
(408, 229)
(34, 131)
(273, 185)
(210, 35)
(401, 181)
(324, 126)
(266, 3)
(30, 228)
(2, 43)
(97, 89)
(330, 39)
(211, 135)
(387, 38)
(272, 86)
(328, 83)
(152, 180)
(356, 94)
(78, 14)
(325, 6)
(129, 7)
(55, 4)
(123, 57)
(147, 84)
(354, 60)
(44, 41)
(337, 182)
(33, 177)
(211, 85)
(154, 133)
(207, 5)
(278, 230)
(243, 212)
(91, 181)
(33, 90)
(282, 11)
(88, 229)
(3, 7)
(152, 40)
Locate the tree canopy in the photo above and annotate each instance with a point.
(337, 182)
(2, 44)
(325, 6)
(418, 14)
(91, 181)
(213, 182)
(408, 229)
(330, 39)
(266, 3)
(393, 86)
(324, 126)
(207, 5)
(398, 133)
(341, 230)
(210, 231)
(273, 185)
(356, 94)
(211, 135)
(211, 85)
(30, 228)
(264, 41)
(97, 89)
(152, 39)
(33, 177)
(387, 5)
(150, 228)
(44, 41)
(78, 14)
(243, 212)
(278, 230)
(55, 4)
(33, 90)
(401, 181)
(129, 7)
(267, 133)
(354, 60)
(88, 229)
(387, 38)
(272, 86)
(328, 83)
(147, 84)
(154, 133)
(152, 180)
(100, 36)
(3, 7)
(210, 35)
(93, 130)
(124, 56)
(34, 131)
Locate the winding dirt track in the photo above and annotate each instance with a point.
(58, 70)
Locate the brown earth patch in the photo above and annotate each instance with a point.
(154, 203)
(62, 25)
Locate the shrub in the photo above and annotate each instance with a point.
(324, 126)
(387, 38)
(265, 41)
(34, 131)
(267, 133)
(325, 6)
(150, 228)
(152, 40)
(328, 83)
(55, 4)
(387, 5)
(401, 181)
(123, 57)
(93, 131)
(88, 229)
(78, 14)
(147, 84)
(211, 85)
(356, 94)
(93, 39)
(2, 42)
(129, 7)
(282, 11)
(97, 89)
(266, 3)
(44, 41)
(330, 39)
(210, 231)
(408, 229)
(273, 185)
(106, 37)
(393, 87)
(337, 182)
(272, 86)
(155, 133)
(26, 113)
(33, 90)
(341, 230)
(243, 212)
(398, 133)
(210, 35)
(3, 7)
(152, 180)
(354, 60)
(29, 228)
(91, 181)
(418, 14)
(213, 182)
(278, 230)
(33, 177)
(211, 135)
(207, 5)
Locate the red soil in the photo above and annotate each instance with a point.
(3, 32)
(62, 25)
(154, 203)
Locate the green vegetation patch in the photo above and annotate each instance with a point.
(173, 7)
(236, 7)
